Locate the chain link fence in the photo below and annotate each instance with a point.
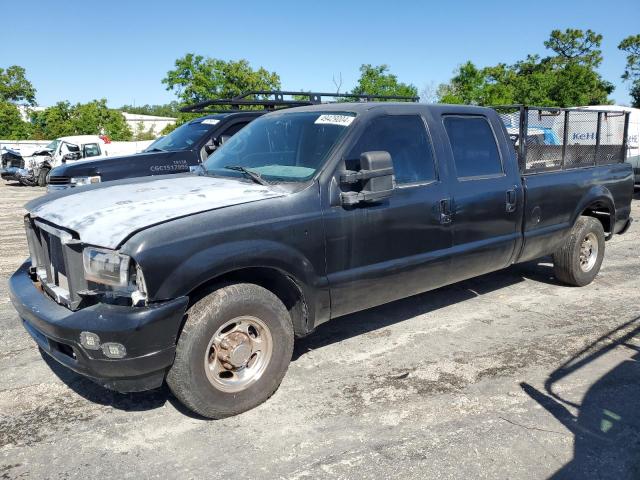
(565, 138)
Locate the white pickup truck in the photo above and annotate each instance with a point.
(36, 167)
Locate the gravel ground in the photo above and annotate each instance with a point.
(509, 375)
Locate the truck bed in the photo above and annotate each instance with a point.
(561, 196)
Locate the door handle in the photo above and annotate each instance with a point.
(512, 200)
(445, 211)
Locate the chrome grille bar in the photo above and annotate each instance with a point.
(46, 244)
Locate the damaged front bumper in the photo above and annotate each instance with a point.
(11, 173)
(26, 176)
(147, 334)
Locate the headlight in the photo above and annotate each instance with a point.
(106, 266)
(79, 181)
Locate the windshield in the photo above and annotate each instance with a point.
(288, 147)
(52, 146)
(184, 137)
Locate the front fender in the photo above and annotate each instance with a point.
(220, 259)
(217, 260)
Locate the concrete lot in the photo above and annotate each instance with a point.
(510, 375)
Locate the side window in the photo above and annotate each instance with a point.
(405, 138)
(233, 129)
(91, 150)
(475, 152)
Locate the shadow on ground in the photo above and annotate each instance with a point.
(606, 428)
(395, 312)
(130, 402)
(327, 334)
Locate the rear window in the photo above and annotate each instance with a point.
(475, 152)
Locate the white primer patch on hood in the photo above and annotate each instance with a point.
(106, 216)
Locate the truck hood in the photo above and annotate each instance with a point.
(96, 163)
(134, 165)
(107, 214)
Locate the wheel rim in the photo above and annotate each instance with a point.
(238, 354)
(588, 252)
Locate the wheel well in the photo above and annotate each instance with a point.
(601, 212)
(281, 285)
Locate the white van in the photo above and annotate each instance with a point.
(587, 133)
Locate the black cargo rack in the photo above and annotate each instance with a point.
(278, 102)
(554, 138)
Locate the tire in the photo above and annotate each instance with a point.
(42, 177)
(572, 265)
(213, 387)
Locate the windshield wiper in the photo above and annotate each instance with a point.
(255, 176)
(155, 149)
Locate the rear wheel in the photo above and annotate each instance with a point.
(578, 261)
(233, 352)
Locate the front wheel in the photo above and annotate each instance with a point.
(42, 177)
(578, 261)
(233, 351)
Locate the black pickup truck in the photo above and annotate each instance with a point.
(307, 214)
(182, 150)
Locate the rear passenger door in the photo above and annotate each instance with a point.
(383, 251)
(486, 196)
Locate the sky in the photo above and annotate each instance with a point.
(121, 50)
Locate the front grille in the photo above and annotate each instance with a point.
(59, 180)
(57, 261)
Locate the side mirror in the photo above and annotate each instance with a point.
(373, 182)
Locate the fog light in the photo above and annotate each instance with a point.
(114, 350)
(90, 340)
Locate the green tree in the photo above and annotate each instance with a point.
(465, 87)
(170, 109)
(12, 127)
(576, 46)
(377, 80)
(575, 85)
(568, 78)
(53, 122)
(197, 78)
(171, 127)
(14, 86)
(141, 134)
(95, 117)
(91, 118)
(631, 46)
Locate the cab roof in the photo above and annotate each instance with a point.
(234, 113)
(399, 107)
(76, 139)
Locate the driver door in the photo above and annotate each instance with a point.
(400, 246)
(69, 152)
